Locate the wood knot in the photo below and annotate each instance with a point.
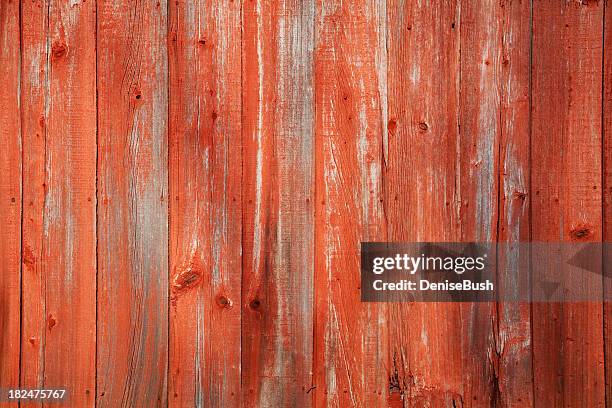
(255, 304)
(392, 126)
(423, 126)
(51, 322)
(223, 302)
(59, 49)
(214, 115)
(519, 195)
(581, 232)
(186, 278)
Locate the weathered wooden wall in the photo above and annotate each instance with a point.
(184, 186)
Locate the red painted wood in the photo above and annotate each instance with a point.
(513, 345)
(59, 192)
(213, 166)
(607, 198)
(422, 194)
(10, 195)
(493, 162)
(132, 359)
(481, 32)
(205, 206)
(34, 113)
(351, 99)
(278, 193)
(568, 355)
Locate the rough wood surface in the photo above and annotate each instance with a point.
(351, 99)
(278, 217)
(422, 194)
(512, 354)
(132, 204)
(480, 48)
(59, 192)
(205, 206)
(184, 187)
(10, 194)
(607, 198)
(568, 349)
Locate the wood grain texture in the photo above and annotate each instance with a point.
(59, 241)
(422, 200)
(512, 327)
(184, 187)
(278, 214)
(351, 99)
(607, 197)
(133, 204)
(480, 28)
(205, 207)
(493, 180)
(568, 355)
(34, 112)
(10, 194)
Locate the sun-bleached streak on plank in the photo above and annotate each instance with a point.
(350, 87)
(513, 326)
(477, 161)
(421, 193)
(278, 174)
(205, 216)
(59, 247)
(10, 195)
(132, 210)
(566, 192)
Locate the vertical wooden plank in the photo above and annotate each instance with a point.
(350, 89)
(494, 162)
(10, 195)
(422, 193)
(514, 372)
(34, 108)
(132, 211)
(59, 248)
(607, 198)
(278, 176)
(480, 29)
(205, 207)
(566, 192)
